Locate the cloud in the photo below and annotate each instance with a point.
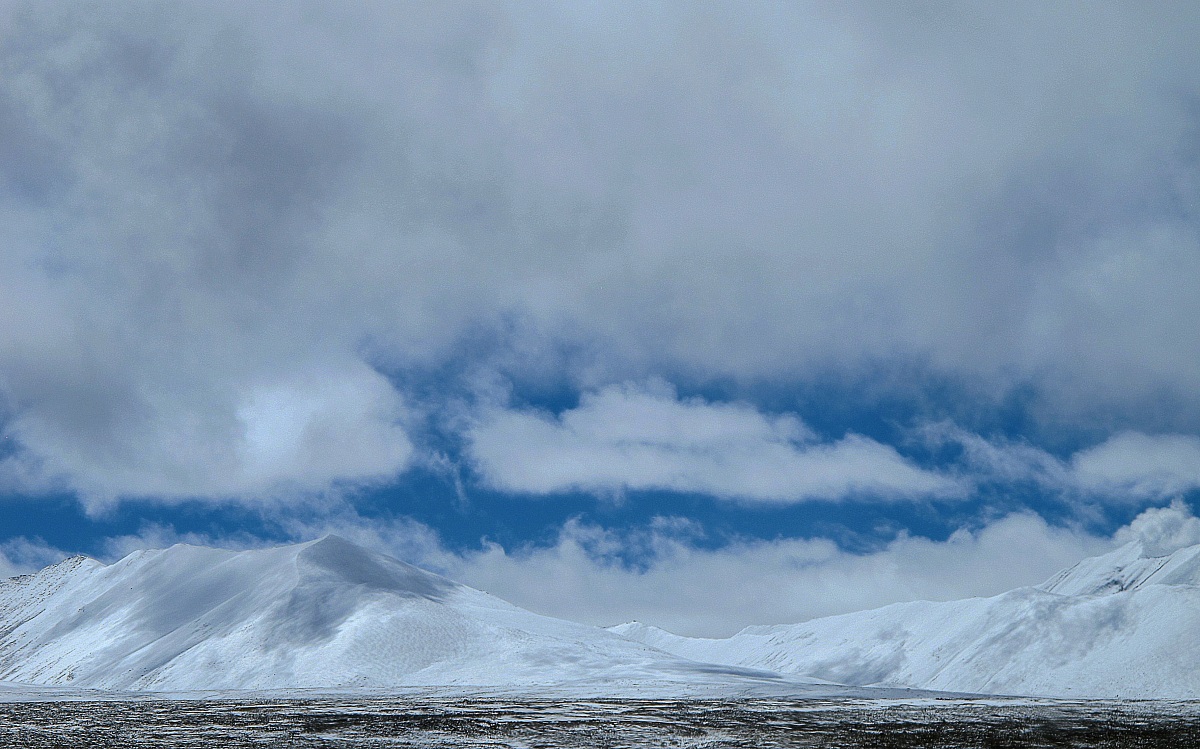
(292, 436)
(1140, 465)
(1129, 466)
(20, 556)
(205, 206)
(643, 438)
(688, 589)
(157, 341)
(667, 573)
(1163, 530)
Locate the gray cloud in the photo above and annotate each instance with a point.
(207, 205)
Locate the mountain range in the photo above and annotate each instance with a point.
(1122, 625)
(320, 615)
(329, 615)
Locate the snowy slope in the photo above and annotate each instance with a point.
(1128, 568)
(1122, 625)
(325, 614)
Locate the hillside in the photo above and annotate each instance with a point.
(325, 614)
(1125, 625)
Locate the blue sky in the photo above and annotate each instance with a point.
(709, 316)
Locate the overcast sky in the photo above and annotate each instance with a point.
(706, 314)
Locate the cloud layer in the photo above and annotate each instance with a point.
(679, 583)
(208, 210)
(666, 574)
(691, 590)
(644, 437)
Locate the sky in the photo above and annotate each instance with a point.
(705, 315)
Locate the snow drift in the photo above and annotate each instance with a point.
(1122, 625)
(325, 614)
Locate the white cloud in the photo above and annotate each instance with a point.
(1140, 465)
(713, 592)
(1163, 530)
(19, 556)
(998, 459)
(328, 426)
(1129, 466)
(630, 437)
(679, 582)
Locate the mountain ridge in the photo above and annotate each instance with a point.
(324, 614)
(1128, 567)
(1121, 625)
(327, 614)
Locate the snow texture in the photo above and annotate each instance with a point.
(321, 615)
(328, 615)
(1122, 625)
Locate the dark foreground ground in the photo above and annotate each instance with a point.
(407, 722)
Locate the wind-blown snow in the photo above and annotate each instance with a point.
(1126, 625)
(325, 614)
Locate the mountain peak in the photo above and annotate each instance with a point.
(1129, 567)
(321, 614)
(332, 539)
(1124, 624)
(335, 556)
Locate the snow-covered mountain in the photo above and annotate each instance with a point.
(1126, 624)
(325, 614)
(1130, 567)
(330, 615)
